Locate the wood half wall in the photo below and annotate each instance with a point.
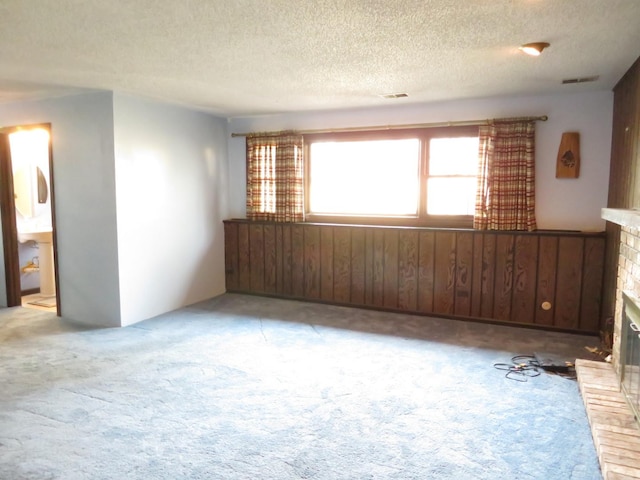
(503, 277)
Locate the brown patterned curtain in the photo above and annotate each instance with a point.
(275, 183)
(505, 199)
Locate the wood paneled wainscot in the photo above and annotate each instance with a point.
(499, 276)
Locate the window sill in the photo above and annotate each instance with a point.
(358, 222)
(464, 222)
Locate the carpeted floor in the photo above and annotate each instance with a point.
(244, 387)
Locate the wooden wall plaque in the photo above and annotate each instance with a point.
(568, 163)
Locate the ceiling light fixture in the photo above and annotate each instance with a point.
(534, 49)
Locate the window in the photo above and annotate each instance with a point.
(367, 177)
(451, 181)
(412, 177)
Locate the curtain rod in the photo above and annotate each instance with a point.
(462, 123)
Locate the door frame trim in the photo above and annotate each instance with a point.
(9, 229)
(9, 225)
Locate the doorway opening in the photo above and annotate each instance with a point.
(28, 220)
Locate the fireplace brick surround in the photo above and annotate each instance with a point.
(628, 278)
(622, 273)
(614, 428)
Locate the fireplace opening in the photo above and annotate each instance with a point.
(630, 352)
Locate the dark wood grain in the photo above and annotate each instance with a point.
(297, 260)
(445, 273)
(426, 271)
(524, 279)
(377, 289)
(390, 268)
(592, 284)
(326, 263)
(547, 271)
(231, 256)
(368, 266)
(357, 266)
(244, 258)
(287, 283)
(256, 254)
(504, 277)
(408, 245)
(270, 259)
(312, 262)
(476, 277)
(464, 273)
(569, 282)
(342, 264)
(488, 285)
(501, 277)
(279, 260)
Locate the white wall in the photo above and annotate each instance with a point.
(572, 204)
(84, 181)
(171, 194)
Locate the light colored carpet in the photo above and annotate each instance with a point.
(244, 387)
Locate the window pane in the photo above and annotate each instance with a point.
(365, 177)
(451, 196)
(453, 156)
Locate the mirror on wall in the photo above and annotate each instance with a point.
(30, 161)
(29, 200)
(43, 189)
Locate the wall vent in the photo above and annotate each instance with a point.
(580, 80)
(394, 95)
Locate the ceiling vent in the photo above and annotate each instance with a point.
(567, 81)
(394, 95)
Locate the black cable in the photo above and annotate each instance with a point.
(521, 368)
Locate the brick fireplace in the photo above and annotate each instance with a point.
(615, 430)
(628, 279)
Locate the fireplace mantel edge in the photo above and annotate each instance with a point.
(622, 216)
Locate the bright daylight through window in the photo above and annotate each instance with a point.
(378, 177)
(425, 176)
(451, 184)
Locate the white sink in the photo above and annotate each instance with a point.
(40, 237)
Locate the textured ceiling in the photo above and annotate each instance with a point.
(245, 57)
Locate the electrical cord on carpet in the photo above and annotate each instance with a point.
(523, 367)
